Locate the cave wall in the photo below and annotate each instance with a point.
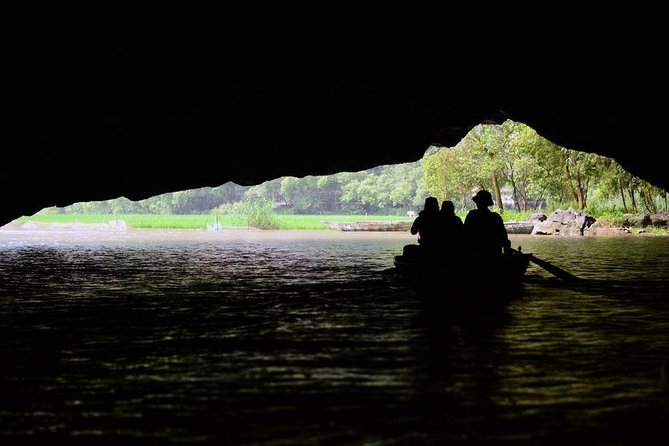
(94, 121)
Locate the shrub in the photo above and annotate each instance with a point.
(254, 212)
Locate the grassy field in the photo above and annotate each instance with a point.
(292, 222)
(201, 221)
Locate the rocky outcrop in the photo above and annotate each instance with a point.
(537, 218)
(601, 228)
(660, 220)
(568, 223)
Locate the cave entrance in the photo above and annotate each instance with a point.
(525, 173)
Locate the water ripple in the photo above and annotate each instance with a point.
(293, 340)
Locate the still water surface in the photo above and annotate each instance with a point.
(305, 337)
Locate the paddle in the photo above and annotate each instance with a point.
(555, 270)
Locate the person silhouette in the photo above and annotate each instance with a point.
(485, 229)
(427, 224)
(451, 227)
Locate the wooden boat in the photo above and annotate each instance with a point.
(462, 272)
(512, 227)
(470, 285)
(463, 285)
(377, 226)
(519, 227)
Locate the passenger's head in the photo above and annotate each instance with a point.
(431, 204)
(448, 207)
(482, 199)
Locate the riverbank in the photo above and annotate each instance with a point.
(202, 221)
(601, 228)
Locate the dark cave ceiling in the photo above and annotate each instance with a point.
(93, 121)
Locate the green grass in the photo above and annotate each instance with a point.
(314, 221)
(149, 221)
(134, 221)
(200, 221)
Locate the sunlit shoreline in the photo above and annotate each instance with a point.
(83, 231)
(63, 232)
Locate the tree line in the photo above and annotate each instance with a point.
(512, 157)
(511, 160)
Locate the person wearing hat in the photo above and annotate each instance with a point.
(485, 229)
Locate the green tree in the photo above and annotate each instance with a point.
(298, 193)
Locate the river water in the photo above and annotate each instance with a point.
(308, 337)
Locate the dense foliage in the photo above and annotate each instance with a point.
(523, 170)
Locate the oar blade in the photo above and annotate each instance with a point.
(555, 270)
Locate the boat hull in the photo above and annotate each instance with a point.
(463, 278)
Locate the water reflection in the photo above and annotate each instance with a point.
(312, 339)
